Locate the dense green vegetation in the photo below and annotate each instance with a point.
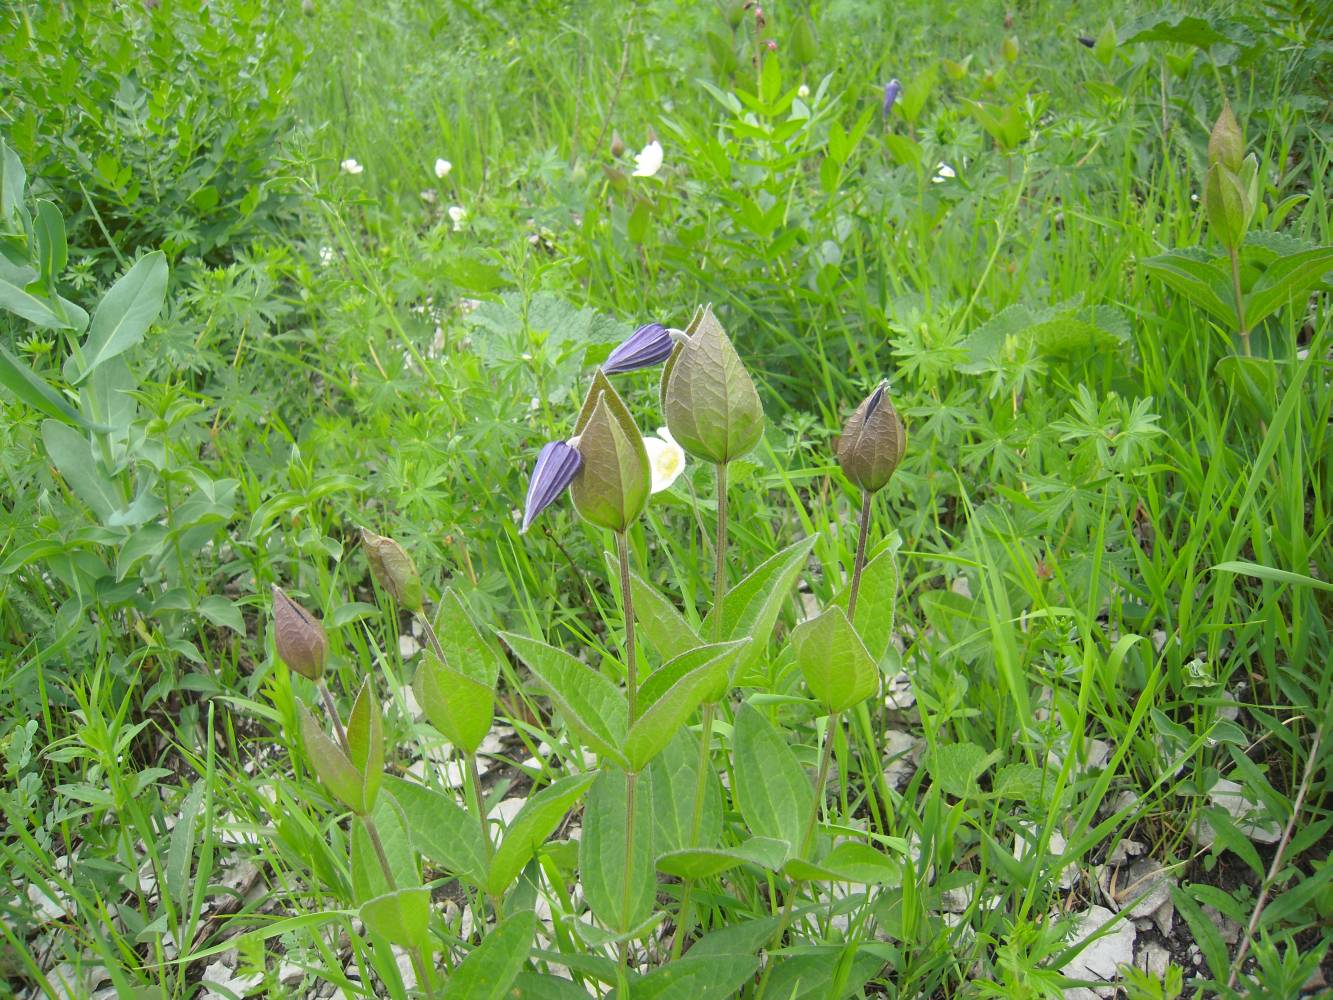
(274, 273)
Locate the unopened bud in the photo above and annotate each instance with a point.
(299, 637)
(617, 145)
(873, 441)
(612, 484)
(393, 569)
(1226, 145)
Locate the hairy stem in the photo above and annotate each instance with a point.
(327, 697)
(474, 779)
(631, 668)
(720, 552)
(418, 955)
(1240, 301)
(866, 499)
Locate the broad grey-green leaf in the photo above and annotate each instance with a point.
(72, 454)
(837, 667)
(772, 789)
(876, 602)
(460, 707)
(667, 713)
(491, 967)
(672, 778)
(441, 829)
(540, 815)
(751, 607)
(222, 613)
(365, 741)
(13, 181)
(587, 701)
(705, 977)
(703, 862)
(664, 677)
(657, 619)
(34, 310)
(33, 390)
(368, 880)
(124, 314)
(402, 916)
(618, 879)
(52, 251)
(850, 861)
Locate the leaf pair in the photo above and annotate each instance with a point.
(457, 694)
(354, 776)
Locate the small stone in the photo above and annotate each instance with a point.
(506, 810)
(1123, 851)
(901, 751)
(1165, 918)
(899, 696)
(1247, 813)
(408, 647)
(1154, 959)
(1143, 888)
(1102, 959)
(1227, 929)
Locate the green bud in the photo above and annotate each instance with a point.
(393, 569)
(1226, 145)
(1227, 206)
(872, 442)
(612, 485)
(710, 402)
(299, 637)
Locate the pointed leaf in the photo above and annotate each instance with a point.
(772, 789)
(72, 454)
(876, 603)
(657, 619)
(402, 917)
(834, 661)
(365, 739)
(125, 313)
(35, 310)
(1287, 279)
(329, 762)
(441, 830)
(704, 862)
(849, 861)
(1205, 283)
(668, 712)
(368, 880)
(705, 977)
(33, 390)
(540, 815)
(460, 707)
(588, 702)
(672, 778)
(620, 887)
(491, 967)
(466, 650)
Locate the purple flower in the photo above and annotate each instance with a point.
(557, 464)
(649, 345)
(891, 91)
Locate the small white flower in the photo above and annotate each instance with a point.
(350, 166)
(648, 162)
(458, 214)
(326, 256)
(943, 172)
(442, 168)
(428, 197)
(803, 92)
(666, 459)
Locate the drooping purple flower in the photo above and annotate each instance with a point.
(649, 345)
(1087, 41)
(557, 464)
(891, 91)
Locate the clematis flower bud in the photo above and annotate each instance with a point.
(649, 345)
(393, 569)
(873, 441)
(557, 465)
(710, 402)
(891, 91)
(611, 489)
(1226, 144)
(299, 637)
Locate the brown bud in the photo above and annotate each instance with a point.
(617, 145)
(299, 637)
(873, 441)
(1226, 144)
(393, 569)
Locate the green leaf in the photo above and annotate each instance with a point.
(1205, 283)
(330, 764)
(588, 702)
(772, 789)
(466, 650)
(850, 861)
(179, 886)
(957, 766)
(837, 667)
(72, 454)
(13, 181)
(667, 713)
(1018, 781)
(705, 977)
(365, 740)
(460, 707)
(52, 251)
(704, 862)
(669, 673)
(539, 986)
(751, 607)
(491, 967)
(1286, 280)
(876, 603)
(672, 779)
(33, 309)
(222, 613)
(1272, 574)
(124, 314)
(441, 830)
(657, 619)
(540, 815)
(403, 917)
(33, 390)
(368, 879)
(816, 974)
(618, 879)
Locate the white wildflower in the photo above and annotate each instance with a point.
(943, 172)
(326, 255)
(648, 162)
(428, 197)
(442, 168)
(803, 92)
(350, 166)
(666, 459)
(458, 214)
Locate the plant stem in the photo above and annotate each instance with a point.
(474, 779)
(418, 956)
(631, 669)
(431, 637)
(866, 499)
(631, 781)
(1240, 301)
(685, 920)
(332, 710)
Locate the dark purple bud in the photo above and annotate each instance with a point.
(649, 345)
(891, 91)
(557, 464)
(1087, 42)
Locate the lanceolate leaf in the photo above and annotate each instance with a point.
(1203, 282)
(586, 700)
(124, 314)
(772, 789)
(667, 714)
(365, 739)
(31, 389)
(669, 673)
(460, 707)
(706, 977)
(672, 778)
(704, 862)
(72, 454)
(540, 815)
(441, 830)
(466, 650)
(491, 967)
(329, 762)
(619, 888)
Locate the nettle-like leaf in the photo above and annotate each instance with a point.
(330, 764)
(1066, 329)
(491, 967)
(365, 740)
(701, 977)
(441, 830)
(837, 667)
(402, 916)
(772, 789)
(672, 779)
(667, 712)
(618, 879)
(540, 815)
(957, 766)
(751, 608)
(587, 701)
